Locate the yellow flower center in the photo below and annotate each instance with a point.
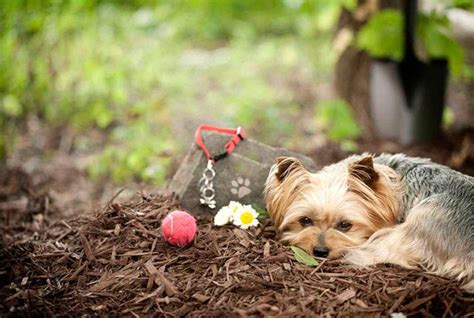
(246, 218)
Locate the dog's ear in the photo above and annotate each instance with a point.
(283, 186)
(363, 169)
(285, 166)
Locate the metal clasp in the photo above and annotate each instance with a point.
(206, 186)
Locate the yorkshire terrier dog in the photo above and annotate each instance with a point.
(385, 209)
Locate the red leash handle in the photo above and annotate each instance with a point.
(239, 134)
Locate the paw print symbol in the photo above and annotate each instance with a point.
(240, 187)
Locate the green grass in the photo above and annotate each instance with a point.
(147, 75)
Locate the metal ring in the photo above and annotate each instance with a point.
(206, 185)
(208, 193)
(202, 181)
(207, 176)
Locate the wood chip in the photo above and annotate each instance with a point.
(416, 303)
(117, 229)
(200, 297)
(345, 296)
(360, 303)
(134, 253)
(105, 281)
(160, 279)
(400, 299)
(78, 270)
(266, 250)
(87, 248)
(113, 255)
(277, 258)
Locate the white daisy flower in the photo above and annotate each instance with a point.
(235, 206)
(245, 217)
(223, 216)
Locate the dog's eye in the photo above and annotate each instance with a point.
(343, 226)
(305, 221)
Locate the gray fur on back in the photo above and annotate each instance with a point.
(424, 178)
(447, 191)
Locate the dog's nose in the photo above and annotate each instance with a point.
(321, 251)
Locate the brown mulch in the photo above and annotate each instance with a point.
(22, 202)
(114, 262)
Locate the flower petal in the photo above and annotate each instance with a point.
(223, 216)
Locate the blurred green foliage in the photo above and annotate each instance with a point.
(145, 73)
(336, 119)
(383, 37)
(464, 4)
(142, 72)
(438, 42)
(448, 118)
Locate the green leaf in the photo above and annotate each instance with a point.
(11, 106)
(438, 42)
(349, 146)
(349, 4)
(327, 12)
(104, 118)
(336, 118)
(448, 117)
(463, 4)
(303, 257)
(382, 36)
(468, 73)
(262, 213)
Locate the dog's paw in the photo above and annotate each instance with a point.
(360, 258)
(240, 187)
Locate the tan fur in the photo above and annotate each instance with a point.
(282, 192)
(406, 246)
(381, 201)
(328, 197)
(365, 195)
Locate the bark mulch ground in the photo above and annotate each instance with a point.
(114, 262)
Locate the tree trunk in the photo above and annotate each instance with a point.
(352, 73)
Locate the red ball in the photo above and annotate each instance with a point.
(179, 228)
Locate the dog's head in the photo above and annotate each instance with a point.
(332, 210)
